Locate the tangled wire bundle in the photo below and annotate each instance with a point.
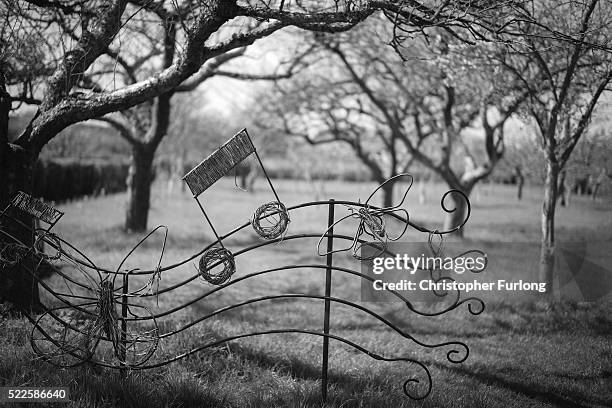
(107, 313)
(373, 223)
(214, 257)
(270, 220)
(11, 254)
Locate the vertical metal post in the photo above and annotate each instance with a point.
(328, 282)
(124, 312)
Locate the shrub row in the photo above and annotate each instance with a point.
(68, 179)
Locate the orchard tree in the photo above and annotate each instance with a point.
(144, 126)
(394, 108)
(565, 82)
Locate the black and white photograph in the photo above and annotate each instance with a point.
(306, 203)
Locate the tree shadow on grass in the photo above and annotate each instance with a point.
(509, 379)
(343, 383)
(533, 391)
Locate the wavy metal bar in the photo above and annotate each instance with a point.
(386, 322)
(311, 204)
(405, 386)
(322, 267)
(243, 251)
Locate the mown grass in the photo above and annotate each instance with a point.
(523, 352)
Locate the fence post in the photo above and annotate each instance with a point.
(124, 312)
(328, 276)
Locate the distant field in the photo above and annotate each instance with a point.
(523, 353)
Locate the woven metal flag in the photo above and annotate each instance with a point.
(219, 163)
(36, 208)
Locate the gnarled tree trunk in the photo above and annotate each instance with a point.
(18, 287)
(139, 183)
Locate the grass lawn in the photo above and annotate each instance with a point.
(523, 353)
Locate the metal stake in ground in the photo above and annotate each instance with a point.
(328, 282)
(124, 315)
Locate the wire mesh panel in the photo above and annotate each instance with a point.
(219, 163)
(36, 208)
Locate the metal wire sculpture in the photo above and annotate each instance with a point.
(372, 223)
(218, 164)
(72, 334)
(36, 208)
(435, 243)
(68, 337)
(13, 253)
(102, 323)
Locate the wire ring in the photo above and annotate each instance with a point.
(53, 240)
(213, 257)
(11, 254)
(277, 219)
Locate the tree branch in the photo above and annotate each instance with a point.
(123, 130)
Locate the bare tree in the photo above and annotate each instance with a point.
(393, 109)
(145, 126)
(323, 106)
(564, 82)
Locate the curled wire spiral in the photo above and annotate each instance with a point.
(213, 258)
(271, 220)
(436, 245)
(411, 386)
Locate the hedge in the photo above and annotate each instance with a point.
(68, 179)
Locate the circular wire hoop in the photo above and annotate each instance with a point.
(11, 254)
(270, 220)
(64, 338)
(216, 257)
(52, 240)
